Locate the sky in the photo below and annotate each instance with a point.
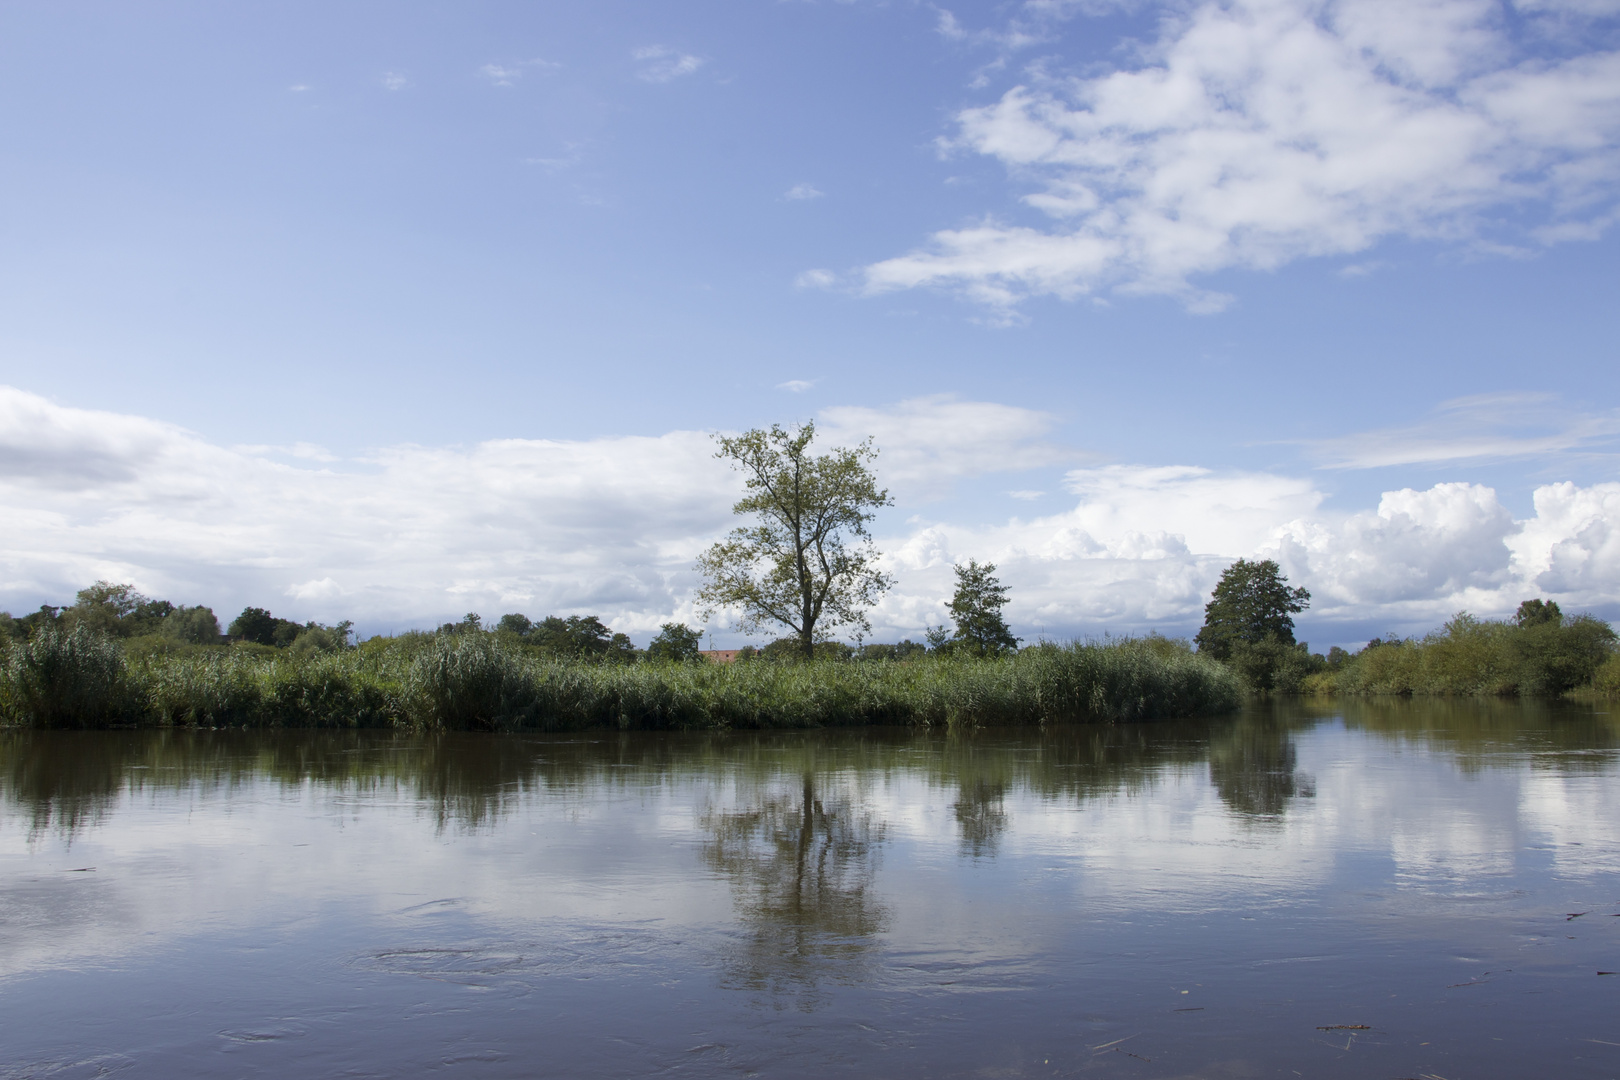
(391, 312)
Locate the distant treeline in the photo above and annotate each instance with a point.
(145, 625)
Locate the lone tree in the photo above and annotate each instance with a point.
(1252, 604)
(976, 610)
(808, 563)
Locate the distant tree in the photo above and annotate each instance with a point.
(807, 563)
(583, 637)
(905, 650)
(514, 624)
(675, 641)
(116, 610)
(791, 649)
(259, 627)
(317, 638)
(193, 625)
(938, 639)
(976, 610)
(1539, 613)
(1252, 604)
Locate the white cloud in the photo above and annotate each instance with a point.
(509, 74)
(395, 81)
(1145, 545)
(802, 191)
(1482, 427)
(927, 443)
(797, 386)
(411, 535)
(661, 64)
(1026, 496)
(816, 279)
(1257, 132)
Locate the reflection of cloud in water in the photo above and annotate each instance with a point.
(195, 831)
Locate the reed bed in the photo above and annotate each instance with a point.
(476, 682)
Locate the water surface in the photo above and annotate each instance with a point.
(1373, 890)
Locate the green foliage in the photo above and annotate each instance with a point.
(1252, 604)
(807, 563)
(1535, 654)
(976, 610)
(1539, 612)
(478, 681)
(675, 642)
(115, 610)
(74, 678)
(191, 625)
(1606, 680)
(791, 650)
(258, 626)
(516, 624)
(1273, 666)
(906, 649)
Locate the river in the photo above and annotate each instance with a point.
(1357, 889)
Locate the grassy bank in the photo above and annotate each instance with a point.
(79, 679)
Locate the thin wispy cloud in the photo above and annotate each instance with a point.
(816, 279)
(395, 81)
(661, 64)
(1254, 133)
(1490, 427)
(511, 73)
(802, 191)
(573, 156)
(797, 386)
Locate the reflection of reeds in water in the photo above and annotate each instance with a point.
(474, 682)
(462, 780)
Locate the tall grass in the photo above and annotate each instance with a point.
(475, 682)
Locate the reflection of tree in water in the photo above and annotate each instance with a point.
(980, 817)
(801, 866)
(1253, 764)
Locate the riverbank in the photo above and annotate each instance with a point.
(476, 682)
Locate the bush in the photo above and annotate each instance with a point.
(1538, 655)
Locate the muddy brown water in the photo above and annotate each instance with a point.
(1373, 889)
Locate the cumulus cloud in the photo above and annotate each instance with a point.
(1253, 133)
(408, 534)
(661, 64)
(1144, 546)
(411, 535)
(802, 191)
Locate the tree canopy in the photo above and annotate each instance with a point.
(807, 563)
(675, 641)
(1252, 604)
(976, 611)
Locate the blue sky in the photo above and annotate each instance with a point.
(278, 279)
